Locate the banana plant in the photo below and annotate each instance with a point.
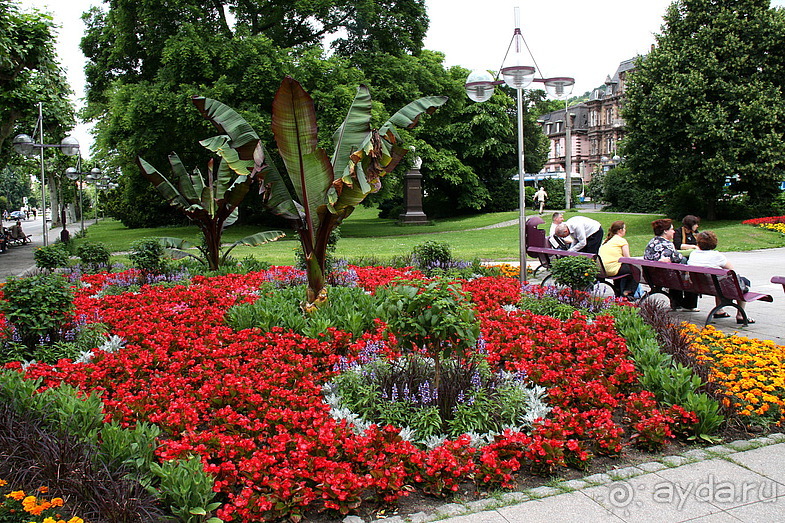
(213, 206)
(326, 191)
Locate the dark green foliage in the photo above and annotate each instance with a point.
(623, 191)
(37, 307)
(147, 255)
(94, 256)
(349, 309)
(51, 257)
(576, 272)
(704, 109)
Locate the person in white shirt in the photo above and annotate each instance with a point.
(587, 233)
(540, 197)
(706, 256)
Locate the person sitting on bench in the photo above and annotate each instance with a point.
(16, 232)
(706, 256)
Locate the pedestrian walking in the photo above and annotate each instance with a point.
(540, 196)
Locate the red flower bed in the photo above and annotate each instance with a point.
(250, 403)
(770, 219)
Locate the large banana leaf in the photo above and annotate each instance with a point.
(159, 181)
(260, 238)
(273, 189)
(221, 145)
(184, 182)
(295, 130)
(241, 135)
(408, 116)
(353, 131)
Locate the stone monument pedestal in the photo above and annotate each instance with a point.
(412, 200)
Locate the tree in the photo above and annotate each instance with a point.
(705, 112)
(29, 73)
(213, 205)
(325, 191)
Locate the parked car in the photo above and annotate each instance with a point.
(17, 215)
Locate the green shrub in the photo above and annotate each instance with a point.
(187, 490)
(37, 307)
(431, 255)
(51, 257)
(348, 309)
(546, 306)
(147, 255)
(436, 316)
(94, 256)
(576, 272)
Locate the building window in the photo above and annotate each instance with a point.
(609, 116)
(558, 148)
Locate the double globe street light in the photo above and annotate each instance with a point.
(480, 86)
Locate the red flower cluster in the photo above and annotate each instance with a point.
(249, 403)
(770, 219)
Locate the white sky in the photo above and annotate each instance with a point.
(578, 38)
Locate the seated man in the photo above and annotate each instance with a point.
(587, 234)
(16, 232)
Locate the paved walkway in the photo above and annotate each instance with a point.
(740, 481)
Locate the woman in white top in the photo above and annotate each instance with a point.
(706, 256)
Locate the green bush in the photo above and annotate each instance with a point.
(37, 306)
(546, 306)
(348, 309)
(576, 272)
(94, 256)
(432, 255)
(51, 257)
(187, 490)
(147, 255)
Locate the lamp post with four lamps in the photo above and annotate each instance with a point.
(480, 87)
(25, 145)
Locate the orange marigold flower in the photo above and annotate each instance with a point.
(17, 495)
(57, 502)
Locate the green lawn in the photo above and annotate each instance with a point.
(365, 235)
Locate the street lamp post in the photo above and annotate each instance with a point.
(76, 174)
(479, 88)
(25, 145)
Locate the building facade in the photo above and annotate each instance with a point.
(597, 128)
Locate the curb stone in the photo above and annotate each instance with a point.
(512, 498)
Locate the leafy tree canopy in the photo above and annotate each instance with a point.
(705, 110)
(146, 59)
(29, 73)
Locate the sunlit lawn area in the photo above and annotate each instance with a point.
(364, 235)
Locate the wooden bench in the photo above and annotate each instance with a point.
(21, 240)
(546, 255)
(778, 279)
(721, 283)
